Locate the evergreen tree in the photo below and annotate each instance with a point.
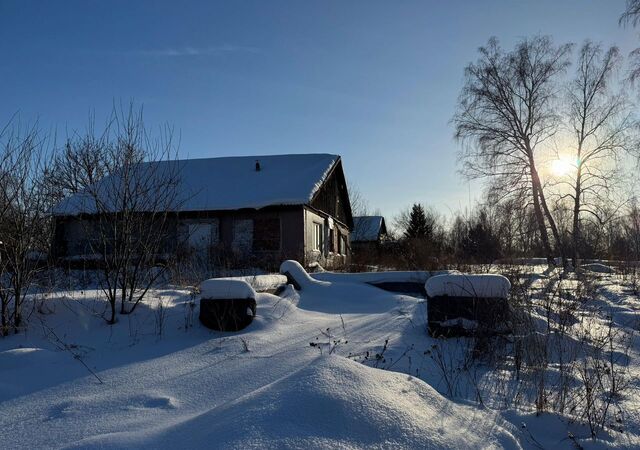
(480, 243)
(417, 226)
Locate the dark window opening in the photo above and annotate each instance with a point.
(318, 237)
(266, 235)
(332, 246)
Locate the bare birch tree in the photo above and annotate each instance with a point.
(601, 126)
(631, 16)
(506, 113)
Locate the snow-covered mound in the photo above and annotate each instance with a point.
(226, 288)
(332, 402)
(337, 297)
(295, 270)
(20, 358)
(465, 285)
(597, 268)
(381, 277)
(262, 283)
(22, 370)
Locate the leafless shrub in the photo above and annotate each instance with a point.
(189, 309)
(565, 354)
(127, 216)
(450, 362)
(160, 315)
(25, 228)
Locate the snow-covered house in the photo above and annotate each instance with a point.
(255, 208)
(368, 233)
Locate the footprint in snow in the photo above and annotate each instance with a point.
(151, 402)
(61, 410)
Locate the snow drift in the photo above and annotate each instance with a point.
(332, 402)
(337, 297)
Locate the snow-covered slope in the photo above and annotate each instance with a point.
(324, 367)
(279, 383)
(330, 402)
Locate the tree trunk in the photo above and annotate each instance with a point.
(5, 318)
(554, 228)
(542, 226)
(123, 300)
(17, 313)
(112, 320)
(538, 192)
(576, 219)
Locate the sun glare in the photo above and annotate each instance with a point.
(562, 166)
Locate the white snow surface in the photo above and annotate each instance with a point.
(225, 183)
(196, 388)
(297, 377)
(598, 268)
(381, 277)
(324, 404)
(335, 297)
(259, 282)
(226, 288)
(467, 285)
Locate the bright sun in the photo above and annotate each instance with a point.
(562, 166)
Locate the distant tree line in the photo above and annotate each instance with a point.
(504, 230)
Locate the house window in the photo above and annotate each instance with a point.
(343, 244)
(202, 235)
(318, 237)
(242, 235)
(332, 245)
(266, 235)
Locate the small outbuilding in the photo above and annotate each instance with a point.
(227, 304)
(464, 304)
(369, 234)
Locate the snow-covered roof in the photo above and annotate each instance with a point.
(367, 228)
(229, 183)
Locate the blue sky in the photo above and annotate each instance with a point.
(374, 81)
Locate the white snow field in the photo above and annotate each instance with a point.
(334, 365)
